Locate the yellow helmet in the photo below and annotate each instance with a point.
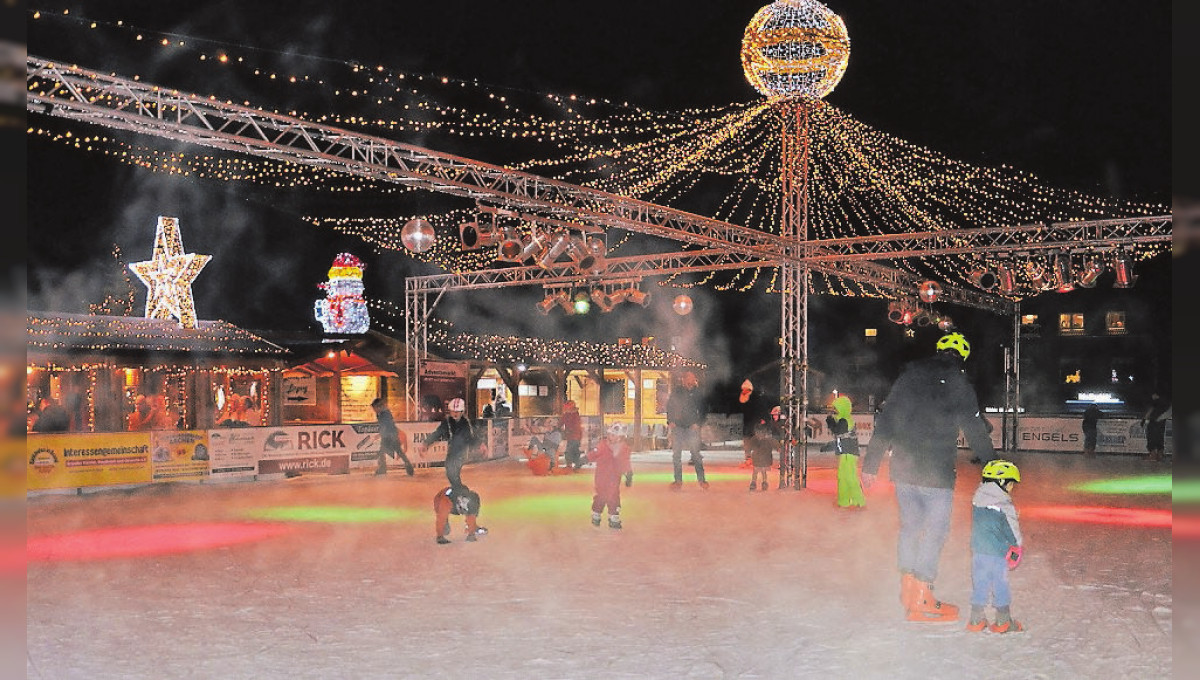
(1000, 470)
(956, 342)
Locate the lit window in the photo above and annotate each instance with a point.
(870, 332)
(1070, 324)
(1114, 323)
(1029, 319)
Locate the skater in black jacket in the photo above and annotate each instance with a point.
(929, 404)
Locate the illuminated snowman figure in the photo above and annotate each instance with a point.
(344, 310)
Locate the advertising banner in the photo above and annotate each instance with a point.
(179, 456)
(440, 381)
(233, 452)
(78, 460)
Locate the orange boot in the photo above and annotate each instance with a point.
(925, 607)
(908, 588)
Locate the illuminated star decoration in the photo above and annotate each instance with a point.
(168, 275)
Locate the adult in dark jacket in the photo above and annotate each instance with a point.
(460, 437)
(685, 415)
(1091, 423)
(389, 439)
(927, 407)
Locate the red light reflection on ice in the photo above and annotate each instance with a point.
(1134, 517)
(143, 541)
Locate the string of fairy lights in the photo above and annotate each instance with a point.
(862, 181)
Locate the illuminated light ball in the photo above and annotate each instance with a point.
(795, 49)
(582, 304)
(417, 235)
(682, 305)
(929, 291)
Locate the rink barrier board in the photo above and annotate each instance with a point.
(82, 460)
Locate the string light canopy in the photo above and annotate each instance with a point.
(863, 182)
(169, 274)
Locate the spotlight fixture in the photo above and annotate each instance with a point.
(1004, 277)
(901, 312)
(929, 291)
(582, 304)
(558, 245)
(945, 323)
(581, 255)
(599, 252)
(637, 297)
(510, 246)
(1123, 268)
(922, 318)
(1037, 276)
(1063, 281)
(620, 295)
(550, 300)
(602, 300)
(982, 278)
(529, 251)
(1092, 269)
(476, 234)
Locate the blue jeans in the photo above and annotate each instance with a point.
(989, 580)
(924, 526)
(686, 438)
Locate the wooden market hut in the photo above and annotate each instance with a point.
(98, 366)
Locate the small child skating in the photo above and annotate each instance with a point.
(996, 547)
(448, 502)
(845, 444)
(612, 459)
(767, 435)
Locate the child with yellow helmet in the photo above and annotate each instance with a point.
(996, 547)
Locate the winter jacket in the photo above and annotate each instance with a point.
(684, 408)
(458, 433)
(928, 405)
(994, 524)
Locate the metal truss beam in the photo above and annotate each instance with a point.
(1073, 236)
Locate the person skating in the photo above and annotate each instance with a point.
(752, 408)
(996, 547)
(685, 414)
(1091, 423)
(464, 502)
(460, 437)
(612, 459)
(1155, 422)
(927, 407)
(768, 436)
(840, 424)
(389, 439)
(571, 426)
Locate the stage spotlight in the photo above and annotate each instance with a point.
(894, 312)
(945, 323)
(602, 300)
(982, 278)
(550, 300)
(1037, 276)
(509, 249)
(565, 301)
(1063, 281)
(922, 318)
(535, 245)
(581, 255)
(1092, 270)
(618, 296)
(558, 245)
(929, 291)
(582, 304)
(1006, 283)
(638, 297)
(1123, 268)
(475, 234)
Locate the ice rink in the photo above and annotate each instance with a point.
(340, 577)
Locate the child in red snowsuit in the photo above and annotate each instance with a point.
(465, 502)
(611, 457)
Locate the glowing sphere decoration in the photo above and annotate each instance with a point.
(795, 49)
(682, 305)
(929, 291)
(417, 235)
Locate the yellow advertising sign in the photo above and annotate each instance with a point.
(64, 461)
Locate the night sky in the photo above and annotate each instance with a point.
(1075, 93)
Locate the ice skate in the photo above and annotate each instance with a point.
(614, 522)
(595, 519)
(442, 540)
(925, 607)
(676, 486)
(977, 621)
(753, 487)
(1009, 626)
(764, 486)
